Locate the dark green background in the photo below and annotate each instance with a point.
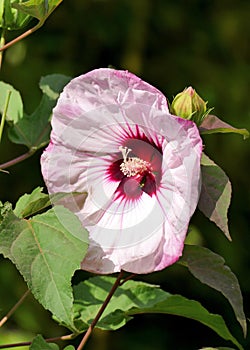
(170, 44)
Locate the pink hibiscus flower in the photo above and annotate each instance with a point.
(114, 138)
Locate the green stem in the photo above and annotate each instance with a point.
(17, 159)
(100, 312)
(4, 113)
(2, 42)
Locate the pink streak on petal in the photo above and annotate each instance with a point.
(96, 113)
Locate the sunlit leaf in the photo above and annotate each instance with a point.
(39, 9)
(40, 344)
(30, 204)
(133, 298)
(51, 85)
(4, 210)
(215, 195)
(47, 249)
(34, 130)
(212, 125)
(210, 269)
(15, 106)
(11, 18)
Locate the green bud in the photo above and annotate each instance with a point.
(189, 105)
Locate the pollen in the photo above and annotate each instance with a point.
(132, 166)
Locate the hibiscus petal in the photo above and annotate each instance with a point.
(96, 115)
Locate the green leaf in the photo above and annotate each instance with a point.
(15, 107)
(210, 269)
(47, 249)
(40, 344)
(215, 194)
(10, 18)
(52, 85)
(40, 9)
(69, 347)
(34, 130)
(133, 298)
(30, 204)
(4, 210)
(212, 125)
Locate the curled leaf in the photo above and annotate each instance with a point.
(40, 9)
(212, 125)
(211, 270)
(37, 201)
(215, 194)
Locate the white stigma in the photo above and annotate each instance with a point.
(133, 165)
(125, 151)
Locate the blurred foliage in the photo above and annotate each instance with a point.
(172, 45)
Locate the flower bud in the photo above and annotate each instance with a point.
(189, 105)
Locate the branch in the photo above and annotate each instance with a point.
(13, 309)
(22, 36)
(18, 159)
(27, 343)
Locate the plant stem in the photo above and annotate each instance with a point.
(100, 312)
(2, 42)
(128, 278)
(22, 36)
(27, 343)
(17, 159)
(13, 309)
(4, 113)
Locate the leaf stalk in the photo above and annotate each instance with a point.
(17, 159)
(22, 36)
(13, 309)
(27, 343)
(4, 113)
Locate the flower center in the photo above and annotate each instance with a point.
(138, 171)
(133, 166)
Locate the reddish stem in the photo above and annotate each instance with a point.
(13, 309)
(17, 159)
(27, 343)
(22, 36)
